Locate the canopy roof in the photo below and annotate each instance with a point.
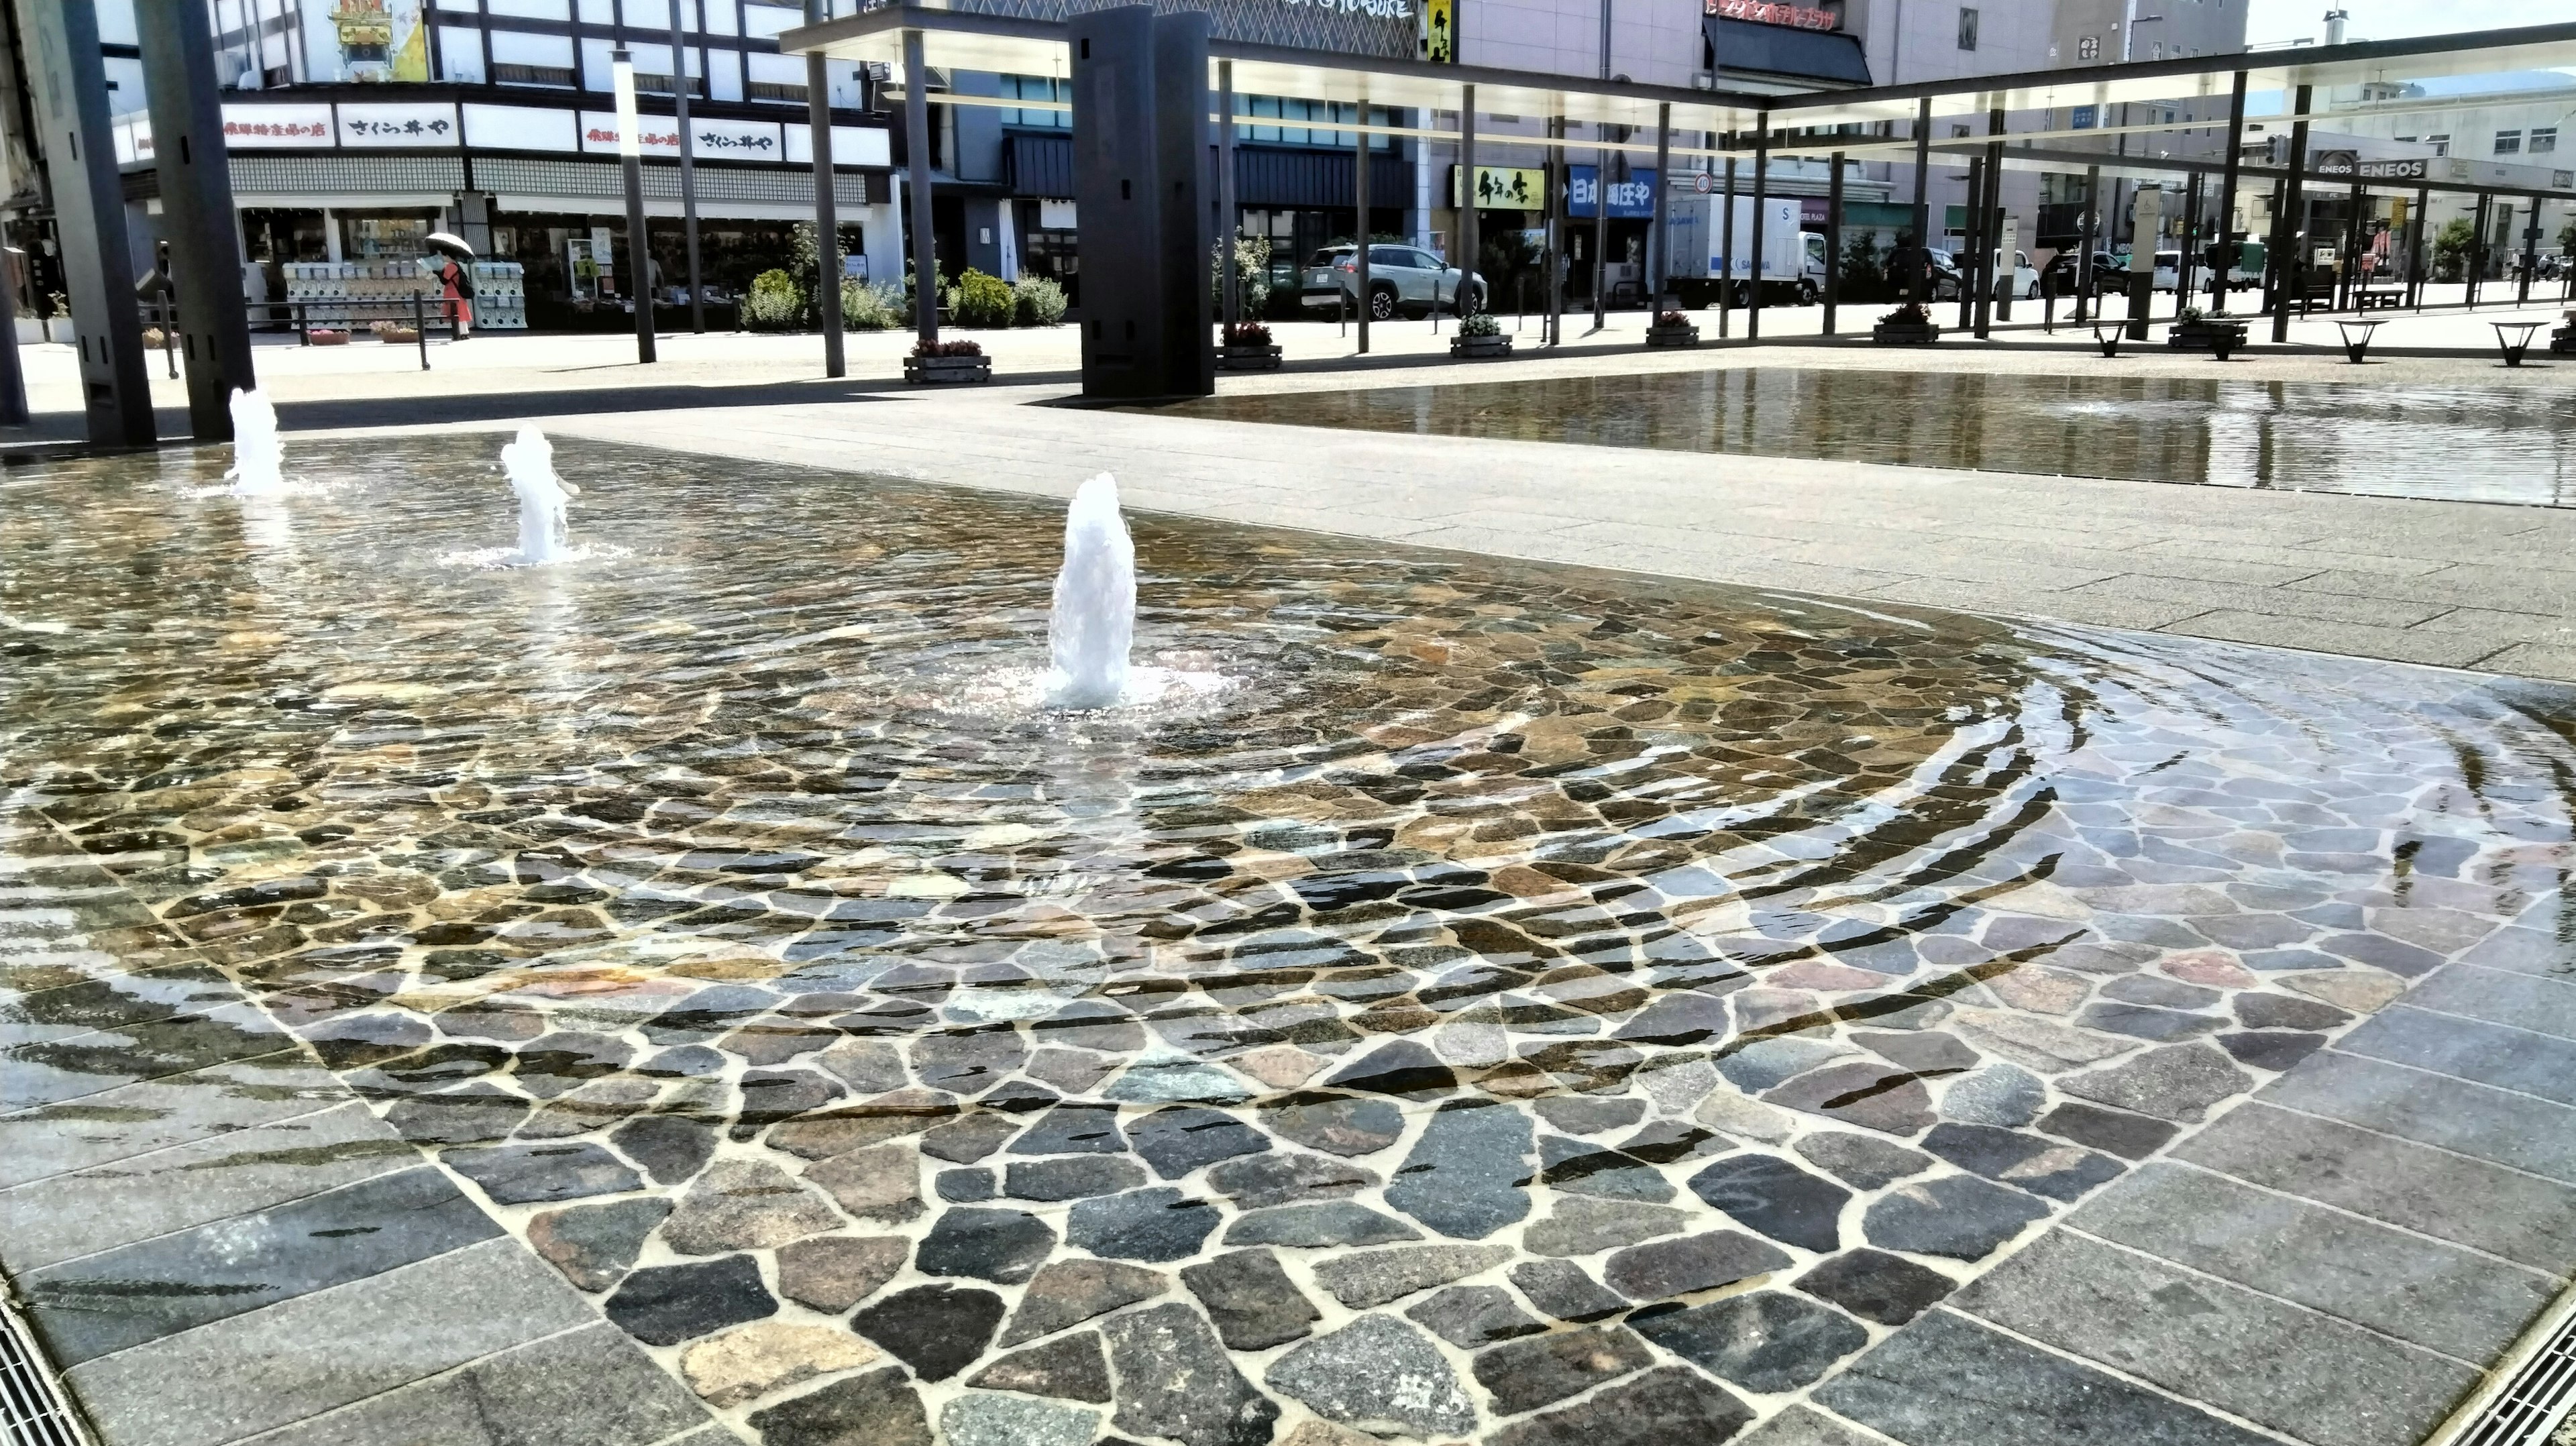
(960, 40)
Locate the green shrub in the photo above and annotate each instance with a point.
(1252, 266)
(870, 308)
(775, 303)
(983, 300)
(1480, 324)
(1037, 301)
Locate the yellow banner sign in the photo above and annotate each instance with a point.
(1440, 31)
(1503, 188)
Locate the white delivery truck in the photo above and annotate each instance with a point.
(1705, 260)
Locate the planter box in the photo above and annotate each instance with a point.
(1903, 334)
(398, 336)
(2207, 336)
(1480, 346)
(1232, 358)
(2563, 340)
(1672, 336)
(935, 371)
(325, 336)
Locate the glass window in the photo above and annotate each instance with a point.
(1967, 28)
(1395, 256)
(1037, 87)
(2441, 144)
(2508, 143)
(2543, 139)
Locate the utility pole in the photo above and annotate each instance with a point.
(827, 205)
(1601, 197)
(688, 170)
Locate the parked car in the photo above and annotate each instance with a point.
(1947, 279)
(2025, 277)
(2168, 270)
(2062, 266)
(1403, 280)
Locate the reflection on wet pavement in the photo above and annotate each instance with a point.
(1525, 999)
(2464, 443)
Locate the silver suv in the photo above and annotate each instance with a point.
(1402, 279)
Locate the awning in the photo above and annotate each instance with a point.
(1829, 56)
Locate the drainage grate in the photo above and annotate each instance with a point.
(2536, 1400)
(32, 1410)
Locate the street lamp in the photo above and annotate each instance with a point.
(630, 149)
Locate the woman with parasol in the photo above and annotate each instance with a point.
(454, 268)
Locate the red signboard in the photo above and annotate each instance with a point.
(1770, 13)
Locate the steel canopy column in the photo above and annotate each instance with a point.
(2530, 253)
(2085, 279)
(1988, 229)
(1919, 286)
(2415, 246)
(827, 205)
(1726, 247)
(1972, 213)
(1360, 236)
(1467, 201)
(688, 169)
(197, 204)
(1552, 329)
(1658, 269)
(2291, 268)
(916, 145)
(1833, 241)
(1761, 175)
(2222, 259)
(1228, 224)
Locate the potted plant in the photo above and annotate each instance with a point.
(2196, 330)
(394, 333)
(1907, 325)
(1248, 348)
(327, 336)
(1672, 328)
(937, 363)
(1480, 336)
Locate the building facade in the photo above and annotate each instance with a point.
(357, 127)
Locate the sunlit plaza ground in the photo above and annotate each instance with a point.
(1806, 894)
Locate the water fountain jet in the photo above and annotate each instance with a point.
(544, 498)
(1094, 620)
(259, 459)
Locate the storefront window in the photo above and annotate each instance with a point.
(392, 238)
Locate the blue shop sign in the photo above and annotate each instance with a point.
(1630, 200)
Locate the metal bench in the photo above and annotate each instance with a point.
(2379, 298)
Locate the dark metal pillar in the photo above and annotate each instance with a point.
(1990, 227)
(1659, 266)
(197, 209)
(2530, 253)
(2292, 267)
(1761, 179)
(1601, 195)
(1975, 212)
(1360, 236)
(916, 188)
(1919, 285)
(2189, 271)
(688, 167)
(2476, 263)
(1551, 329)
(2415, 247)
(70, 80)
(2348, 282)
(2222, 257)
(1726, 248)
(827, 207)
(1833, 242)
(2085, 279)
(1228, 224)
(1467, 199)
(639, 244)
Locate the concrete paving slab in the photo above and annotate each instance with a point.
(1947, 1380)
(2304, 1374)
(590, 1386)
(269, 1368)
(2503, 1055)
(2495, 1125)
(2543, 1005)
(54, 1070)
(102, 1304)
(2467, 1306)
(2291, 630)
(2485, 1207)
(137, 1198)
(158, 1114)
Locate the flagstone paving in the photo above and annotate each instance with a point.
(1478, 1000)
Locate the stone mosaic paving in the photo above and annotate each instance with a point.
(1522, 1005)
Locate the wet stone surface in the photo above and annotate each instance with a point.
(1492, 1003)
